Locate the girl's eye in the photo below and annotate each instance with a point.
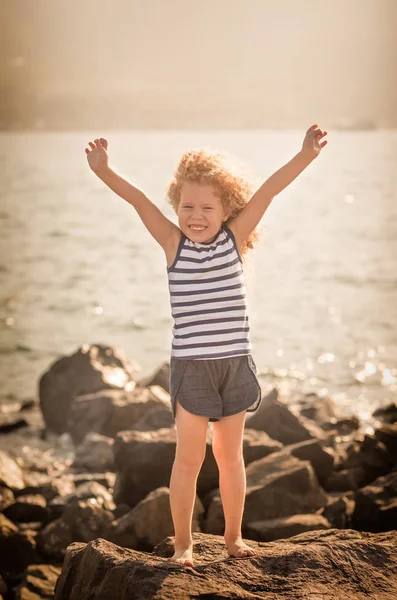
(208, 207)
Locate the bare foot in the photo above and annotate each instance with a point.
(238, 549)
(183, 556)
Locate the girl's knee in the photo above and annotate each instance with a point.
(187, 462)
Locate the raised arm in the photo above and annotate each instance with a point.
(253, 211)
(164, 231)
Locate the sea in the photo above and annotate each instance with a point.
(77, 266)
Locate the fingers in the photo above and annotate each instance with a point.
(311, 128)
(98, 144)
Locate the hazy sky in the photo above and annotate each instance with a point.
(338, 57)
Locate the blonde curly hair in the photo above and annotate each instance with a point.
(217, 169)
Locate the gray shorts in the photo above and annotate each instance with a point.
(215, 388)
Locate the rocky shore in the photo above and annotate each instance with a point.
(84, 498)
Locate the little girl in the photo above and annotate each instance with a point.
(212, 375)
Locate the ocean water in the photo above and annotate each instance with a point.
(77, 265)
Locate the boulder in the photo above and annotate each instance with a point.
(38, 583)
(149, 522)
(160, 377)
(11, 474)
(280, 423)
(90, 369)
(30, 507)
(85, 491)
(81, 520)
(278, 485)
(18, 549)
(317, 408)
(95, 453)
(40, 483)
(365, 459)
(285, 527)
(257, 444)
(376, 505)
(109, 411)
(144, 462)
(321, 459)
(330, 564)
(339, 510)
(387, 414)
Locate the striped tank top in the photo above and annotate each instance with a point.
(208, 299)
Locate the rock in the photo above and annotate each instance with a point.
(11, 475)
(160, 377)
(85, 491)
(316, 408)
(285, 527)
(90, 369)
(38, 583)
(387, 413)
(376, 505)
(144, 462)
(328, 564)
(149, 522)
(31, 507)
(279, 422)
(17, 549)
(345, 480)
(157, 418)
(387, 434)
(321, 459)
(365, 458)
(10, 423)
(106, 479)
(109, 411)
(53, 540)
(6, 497)
(257, 444)
(339, 511)
(95, 453)
(343, 426)
(38, 483)
(278, 485)
(87, 519)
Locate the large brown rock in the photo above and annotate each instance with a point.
(376, 505)
(285, 527)
(144, 462)
(109, 411)
(149, 522)
(331, 565)
(90, 369)
(278, 485)
(280, 423)
(160, 377)
(17, 549)
(95, 453)
(365, 459)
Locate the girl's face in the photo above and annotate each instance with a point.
(200, 212)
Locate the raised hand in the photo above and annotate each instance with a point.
(311, 143)
(97, 155)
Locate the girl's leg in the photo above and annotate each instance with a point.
(227, 446)
(189, 456)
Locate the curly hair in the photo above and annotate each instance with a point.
(209, 167)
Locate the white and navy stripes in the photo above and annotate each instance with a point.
(208, 299)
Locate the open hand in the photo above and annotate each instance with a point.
(311, 143)
(97, 155)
